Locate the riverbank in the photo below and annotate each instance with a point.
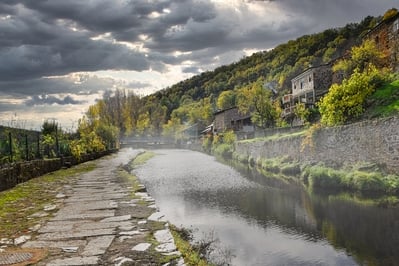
(95, 213)
(361, 157)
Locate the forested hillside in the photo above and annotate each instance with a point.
(194, 100)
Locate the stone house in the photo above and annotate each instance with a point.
(232, 119)
(386, 37)
(308, 87)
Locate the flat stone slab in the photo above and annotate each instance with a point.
(55, 244)
(66, 215)
(55, 228)
(77, 261)
(100, 196)
(117, 219)
(76, 234)
(157, 216)
(98, 245)
(141, 247)
(131, 233)
(165, 238)
(103, 225)
(96, 205)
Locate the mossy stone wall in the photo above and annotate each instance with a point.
(23, 171)
(373, 141)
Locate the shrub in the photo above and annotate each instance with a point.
(270, 166)
(391, 183)
(323, 177)
(367, 181)
(224, 150)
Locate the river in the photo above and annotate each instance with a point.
(258, 220)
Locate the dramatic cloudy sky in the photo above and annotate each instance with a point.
(57, 57)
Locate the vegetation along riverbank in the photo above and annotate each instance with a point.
(325, 158)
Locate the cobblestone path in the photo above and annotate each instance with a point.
(99, 222)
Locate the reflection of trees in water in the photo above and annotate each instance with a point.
(368, 232)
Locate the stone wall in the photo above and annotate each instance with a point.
(23, 171)
(375, 141)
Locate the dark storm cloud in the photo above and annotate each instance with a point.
(46, 38)
(69, 55)
(327, 13)
(32, 46)
(79, 84)
(45, 99)
(45, 45)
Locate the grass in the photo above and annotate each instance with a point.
(275, 137)
(224, 150)
(320, 176)
(142, 158)
(190, 255)
(25, 199)
(385, 101)
(361, 178)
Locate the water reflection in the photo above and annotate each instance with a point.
(267, 221)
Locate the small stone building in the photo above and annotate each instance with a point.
(386, 37)
(308, 87)
(232, 119)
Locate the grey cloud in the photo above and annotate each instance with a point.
(33, 61)
(193, 70)
(31, 47)
(39, 39)
(138, 85)
(45, 99)
(79, 84)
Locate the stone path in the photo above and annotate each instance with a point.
(98, 222)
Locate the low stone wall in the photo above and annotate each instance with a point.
(23, 171)
(375, 141)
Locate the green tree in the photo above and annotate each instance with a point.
(143, 123)
(347, 101)
(302, 112)
(173, 128)
(361, 56)
(226, 99)
(257, 100)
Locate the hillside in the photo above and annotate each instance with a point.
(193, 101)
(280, 64)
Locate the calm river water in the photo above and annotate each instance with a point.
(264, 221)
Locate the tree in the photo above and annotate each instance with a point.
(302, 112)
(255, 99)
(226, 99)
(390, 13)
(143, 123)
(360, 58)
(347, 101)
(173, 128)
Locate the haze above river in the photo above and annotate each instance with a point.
(264, 221)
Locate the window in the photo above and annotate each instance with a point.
(310, 78)
(396, 26)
